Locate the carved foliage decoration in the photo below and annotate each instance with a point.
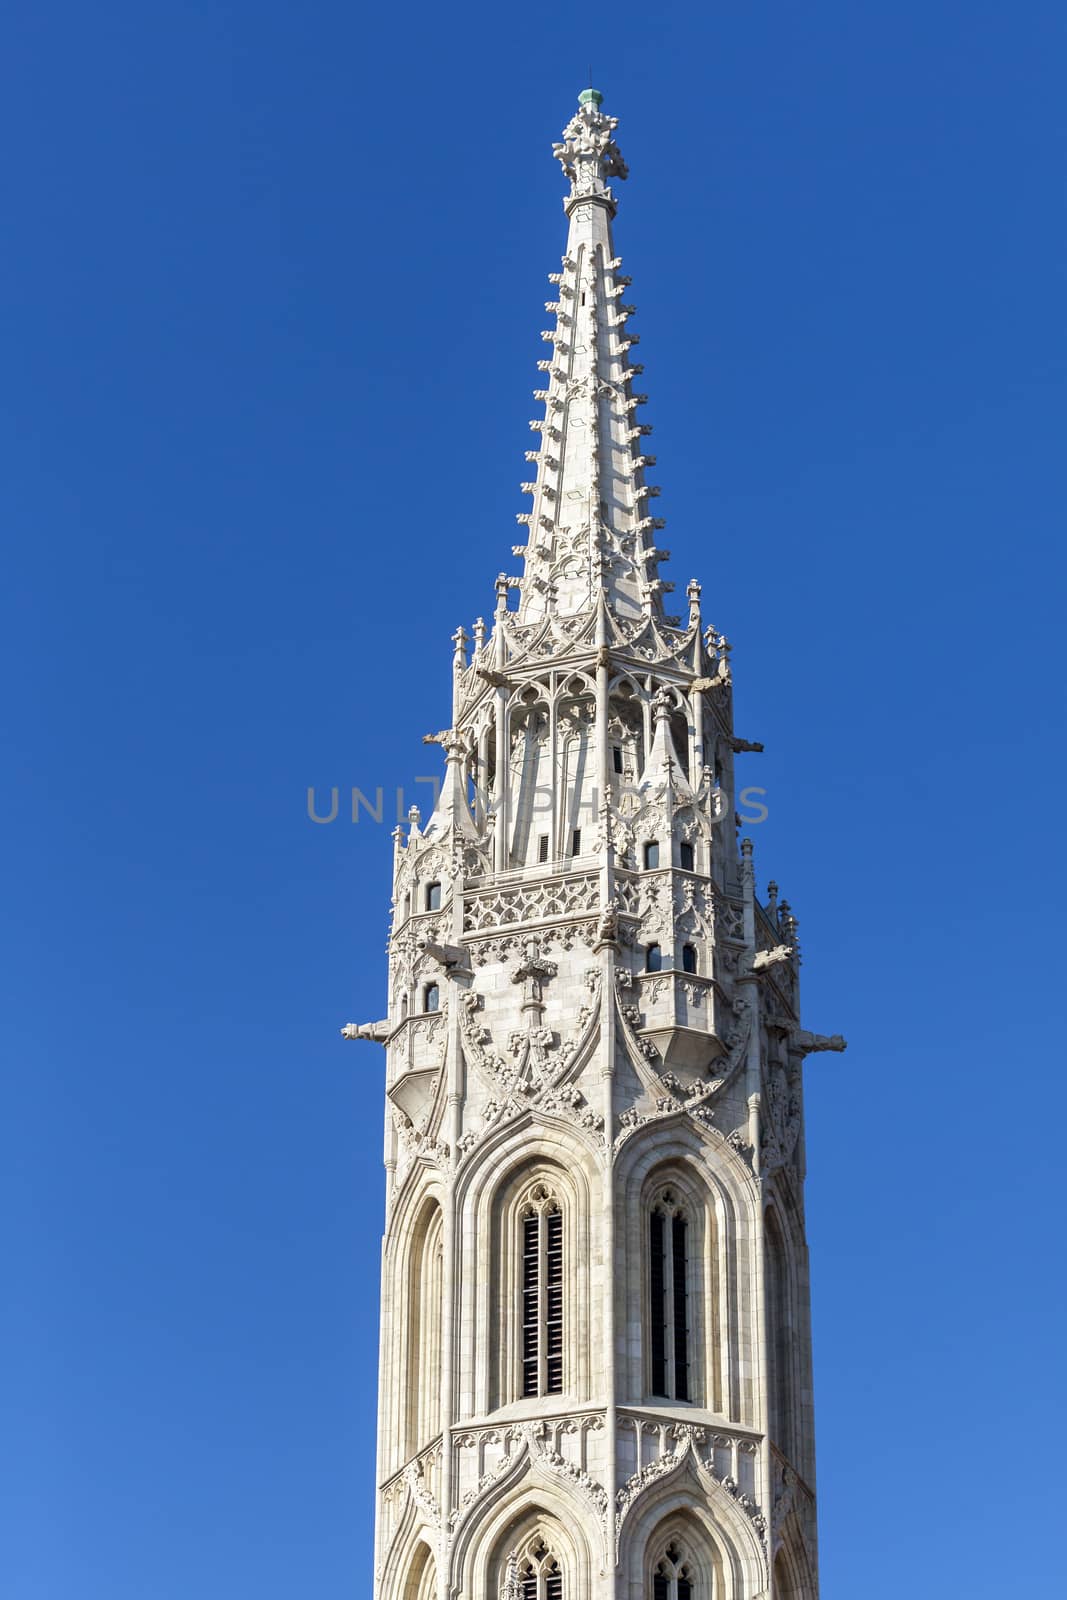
(668, 1093)
(533, 1069)
(688, 1444)
(532, 1444)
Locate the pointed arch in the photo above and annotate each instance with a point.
(780, 1340)
(681, 1337)
(421, 1579)
(528, 757)
(721, 1210)
(784, 1586)
(682, 1562)
(407, 1555)
(794, 1578)
(529, 1154)
(790, 1405)
(690, 1505)
(523, 1510)
(425, 1289)
(537, 1225)
(411, 1309)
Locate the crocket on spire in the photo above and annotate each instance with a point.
(590, 531)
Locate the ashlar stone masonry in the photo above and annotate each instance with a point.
(595, 1352)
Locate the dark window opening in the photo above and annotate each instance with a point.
(681, 1316)
(657, 1308)
(433, 897)
(668, 1306)
(542, 1303)
(686, 856)
(554, 1304)
(654, 958)
(531, 1229)
(616, 757)
(542, 847)
(576, 842)
(431, 998)
(671, 1581)
(689, 958)
(651, 854)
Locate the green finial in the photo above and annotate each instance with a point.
(590, 97)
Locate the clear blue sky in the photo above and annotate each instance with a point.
(270, 304)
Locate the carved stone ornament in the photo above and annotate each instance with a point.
(687, 1442)
(588, 153)
(695, 1098)
(531, 1440)
(536, 1067)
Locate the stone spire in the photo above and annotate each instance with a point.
(590, 529)
(595, 1375)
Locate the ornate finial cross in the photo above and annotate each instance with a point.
(588, 153)
(533, 973)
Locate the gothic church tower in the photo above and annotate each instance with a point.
(595, 1353)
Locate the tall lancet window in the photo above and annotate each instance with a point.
(534, 1574)
(422, 1385)
(672, 1578)
(668, 1287)
(542, 1294)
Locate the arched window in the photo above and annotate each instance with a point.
(422, 1374)
(431, 998)
(779, 1339)
(532, 1331)
(541, 1245)
(422, 1576)
(403, 1007)
(668, 1291)
(686, 857)
(689, 958)
(653, 958)
(433, 897)
(534, 1573)
(651, 855)
(784, 1588)
(673, 1577)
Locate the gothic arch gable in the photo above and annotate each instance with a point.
(686, 1486)
(528, 1491)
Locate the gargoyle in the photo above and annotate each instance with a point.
(770, 958)
(810, 1043)
(378, 1032)
(449, 955)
